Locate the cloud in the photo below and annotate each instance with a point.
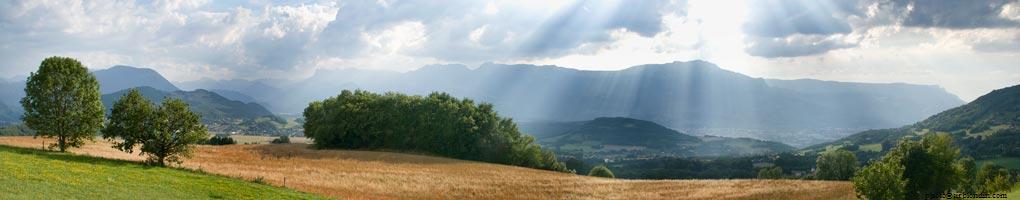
(778, 18)
(956, 14)
(777, 28)
(797, 45)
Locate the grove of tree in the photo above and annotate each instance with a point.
(437, 124)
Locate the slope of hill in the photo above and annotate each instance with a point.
(36, 174)
(11, 94)
(234, 95)
(988, 127)
(626, 138)
(679, 95)
(121, 77)
(7, 115)
(383, 175)
(210, 105)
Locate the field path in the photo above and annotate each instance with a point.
(381, 175)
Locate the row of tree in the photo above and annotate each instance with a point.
(62, 100)
(435, 124)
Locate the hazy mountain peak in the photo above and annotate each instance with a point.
(122, 77)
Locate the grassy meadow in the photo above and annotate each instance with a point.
(35, 174)
(350, 174)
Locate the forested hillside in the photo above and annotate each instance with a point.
(988, 127)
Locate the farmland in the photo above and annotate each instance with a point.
(382, 175)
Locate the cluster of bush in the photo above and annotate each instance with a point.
(221, 140)
(436, 124)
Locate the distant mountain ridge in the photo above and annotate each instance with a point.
(120, 77)
(680, 95)
(627, 138)
(210, 105)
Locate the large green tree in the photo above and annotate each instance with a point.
(130, 121)
(62, 100)
(175, 131)
(836, 165)
(929, 166)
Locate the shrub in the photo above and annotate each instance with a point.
(281, 140)
(601, 171)
(770, 173)
(912, 170)
(221, 140)
(836, 165)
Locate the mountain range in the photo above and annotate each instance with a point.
(627, 138)
(122, 77)
(692, 96)
(210, 105)
(987, 127)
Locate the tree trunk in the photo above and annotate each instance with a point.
(61, 143)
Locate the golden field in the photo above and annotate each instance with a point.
(381, 175)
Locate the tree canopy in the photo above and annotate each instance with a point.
(913, 169)
(435, 124)
(62, 100)
(836, 165)
(165, 133)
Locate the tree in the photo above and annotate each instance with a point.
(770, 173)
(577, 165)
(175, 130)
(281, 140)
(930, 166)
(601, 171)
(992, 178)
(62, 100)
(130, 120)
(836, 165)
(880, 180)
(221, 140)
(437, 124)
(969, 169)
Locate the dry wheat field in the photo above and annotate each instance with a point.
(381, 175)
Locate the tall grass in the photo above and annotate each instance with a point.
(381, 175)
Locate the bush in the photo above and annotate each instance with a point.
(836, 165)
(770, 173)
(221, 140)
(913, 169)
(601, 171)
(281, 140)
(435, 124)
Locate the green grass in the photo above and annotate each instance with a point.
(876, 147)
(1015, 194)
(37, 174)
(1008, 162)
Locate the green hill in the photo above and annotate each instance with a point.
(35, 174)
(210, 105)
(988, 127)
(619, 137)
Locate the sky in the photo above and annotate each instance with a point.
(967, 47)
